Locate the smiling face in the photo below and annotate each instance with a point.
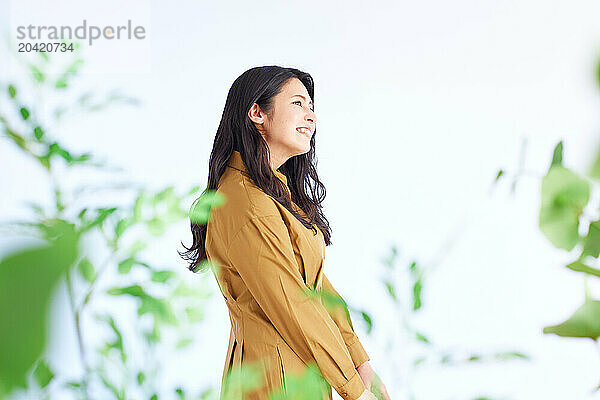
(289, 126)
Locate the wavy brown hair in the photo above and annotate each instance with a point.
(237, 132)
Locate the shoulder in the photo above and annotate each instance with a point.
(244, 202)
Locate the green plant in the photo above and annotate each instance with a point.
(98, 251)
(404, 287)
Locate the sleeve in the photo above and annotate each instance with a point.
(341, 317)
(262, 253)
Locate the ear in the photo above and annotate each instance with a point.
(257, 115)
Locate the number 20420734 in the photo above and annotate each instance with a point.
(45, 47)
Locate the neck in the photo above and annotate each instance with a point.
(276, 160)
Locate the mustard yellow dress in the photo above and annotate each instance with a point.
(266, 259)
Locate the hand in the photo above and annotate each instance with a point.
(367, 395)
(372, 381)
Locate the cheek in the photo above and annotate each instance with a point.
(284, 125)
(289, 122)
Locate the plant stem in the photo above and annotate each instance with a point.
(90, 290)
(80, 343)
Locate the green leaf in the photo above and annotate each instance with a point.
(208, 394)
(139, 204)
(417, 295)
(141, 378)
(118, 393)
(156, 226)
(367, 318)
(27, 281)
(12, 92)
(73, 384)
(118, 342)
(18, 139)
(43, 374)
(122, 226)
(412, 267)
(585, 322)
(200, 210)
(510, 355)
(183, 290)
(579, 266)
(184, 342)
(154, 335)
(101, 215)
(159, 308)
(564, 195)
(307, 384)
(133, 290)
(24, 113)
(194, 314)
(204, 266)
(499, 174)
(166, 193)
(38, 132)
(591, 246)
(81, 158)
(162, 276)
(241, 379)
(86, 269)
(38, 75)
(62, 81)
(55, 148)
(136, 247)
(557, 155)
(194, 190)
(422, 337)
(391, 290)
(125, 265)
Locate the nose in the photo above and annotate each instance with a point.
(311, 116)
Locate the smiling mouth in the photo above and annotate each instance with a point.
(304, 131)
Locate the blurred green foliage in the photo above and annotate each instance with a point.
(568, 219)
(113, 266)
(404, 281)
(565, 197)
(27, 280)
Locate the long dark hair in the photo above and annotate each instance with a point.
(237, 132)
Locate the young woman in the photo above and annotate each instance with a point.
(268, 243)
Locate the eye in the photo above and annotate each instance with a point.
(298, 101)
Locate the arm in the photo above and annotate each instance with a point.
(263, 255)
(341, 316)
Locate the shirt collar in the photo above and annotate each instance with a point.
(235, 161)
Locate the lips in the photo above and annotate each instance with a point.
(304, 131)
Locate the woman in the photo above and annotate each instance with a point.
(268, 243)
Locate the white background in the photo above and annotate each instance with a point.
(419, 105)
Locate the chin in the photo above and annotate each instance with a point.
(304, 150)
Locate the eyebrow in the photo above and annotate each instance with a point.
(304, 98)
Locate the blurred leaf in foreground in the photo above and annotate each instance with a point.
(309, 385)
(585, 322)
(200, 212)
(564, 195)
(27, 281)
